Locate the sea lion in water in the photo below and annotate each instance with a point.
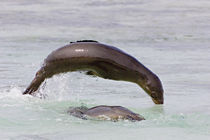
(103, 112)
(101, 60)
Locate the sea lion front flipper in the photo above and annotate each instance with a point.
(136, 117)
(90, 73)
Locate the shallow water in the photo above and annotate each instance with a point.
(170, 37)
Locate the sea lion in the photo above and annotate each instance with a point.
(100, 60)
(103, 112)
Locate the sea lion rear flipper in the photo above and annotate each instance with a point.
(37, 81)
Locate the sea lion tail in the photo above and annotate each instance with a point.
(36, 82)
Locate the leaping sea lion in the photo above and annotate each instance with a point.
(103, 112)
(100, 60)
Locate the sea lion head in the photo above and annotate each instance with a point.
(153, 87)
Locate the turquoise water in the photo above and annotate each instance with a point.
(170, 37)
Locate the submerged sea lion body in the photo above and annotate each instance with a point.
(104, 112)
(101, 60)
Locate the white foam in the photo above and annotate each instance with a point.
(13, 93)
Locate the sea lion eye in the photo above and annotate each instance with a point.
(153, 95)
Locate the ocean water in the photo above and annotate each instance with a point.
(172, 38)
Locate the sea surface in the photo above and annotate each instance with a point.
(170, 37)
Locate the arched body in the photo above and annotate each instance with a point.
(101, 60)
(104, 112)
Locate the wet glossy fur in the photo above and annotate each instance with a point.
(101, 60)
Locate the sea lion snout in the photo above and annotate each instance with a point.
(158, 101)
(153, 87)
(156, 95)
